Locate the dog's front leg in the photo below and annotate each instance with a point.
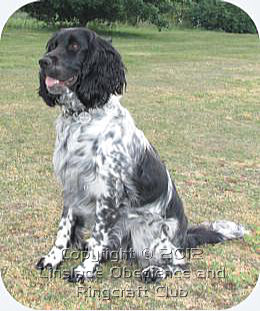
(101, 241)
(56, 254)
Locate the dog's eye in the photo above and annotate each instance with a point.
(74, 46)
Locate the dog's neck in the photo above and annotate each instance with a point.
(70, 104)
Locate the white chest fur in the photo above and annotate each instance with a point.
(81, 136)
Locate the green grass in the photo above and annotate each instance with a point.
(195, 94)
(22, 20)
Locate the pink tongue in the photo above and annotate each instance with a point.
(50, 82)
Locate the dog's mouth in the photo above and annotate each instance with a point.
(51, 82)
(58, 87)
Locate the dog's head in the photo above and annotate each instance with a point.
(79, 60)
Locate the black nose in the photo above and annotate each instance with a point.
(45, 62)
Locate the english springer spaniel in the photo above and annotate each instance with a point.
(113, 179)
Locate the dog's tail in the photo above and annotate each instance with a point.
(215, 232)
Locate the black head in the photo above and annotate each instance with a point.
(79, 60)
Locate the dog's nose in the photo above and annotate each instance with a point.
(45, 62)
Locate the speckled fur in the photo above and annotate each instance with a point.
(114, 182)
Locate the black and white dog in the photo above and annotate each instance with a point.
(113, 179)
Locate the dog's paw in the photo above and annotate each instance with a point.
(48, 262)
(52, 259)
(41, 265)
(74, 277)
(79, 275)
(153, 274)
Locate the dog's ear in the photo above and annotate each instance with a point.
(49, 99)
(103, 73)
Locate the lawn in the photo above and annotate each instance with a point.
(195, 94)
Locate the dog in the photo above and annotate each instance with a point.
(113, 179)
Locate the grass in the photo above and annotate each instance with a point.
(195, 94)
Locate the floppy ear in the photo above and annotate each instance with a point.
(103, 74)
(49, 99)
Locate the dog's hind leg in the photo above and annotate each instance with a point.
(56, 254)
(153, 240)
(167, 260)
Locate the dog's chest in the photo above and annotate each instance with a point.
(75, 150)
(96, 146)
